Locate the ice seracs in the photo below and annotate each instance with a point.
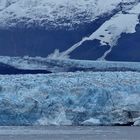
(137, 122)
(81, 98)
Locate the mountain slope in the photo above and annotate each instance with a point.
(111, 30)
(48, 13)
(80, 29)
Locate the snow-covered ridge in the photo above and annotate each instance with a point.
(83, 98)
(54, 13)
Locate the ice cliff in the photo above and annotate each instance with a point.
(81, 98)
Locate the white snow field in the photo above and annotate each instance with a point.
(80, 98)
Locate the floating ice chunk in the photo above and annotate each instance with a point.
(92, 121)
(137, 122)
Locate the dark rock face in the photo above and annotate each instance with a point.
(41, 42)
(127, 48)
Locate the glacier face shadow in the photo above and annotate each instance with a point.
(10, 70)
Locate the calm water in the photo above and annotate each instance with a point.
(69, 133)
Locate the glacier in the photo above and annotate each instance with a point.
(80, 98)
(67, 65)
(40, 36)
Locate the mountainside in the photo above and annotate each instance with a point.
(52, 13)
(42, 83)
(79, 29)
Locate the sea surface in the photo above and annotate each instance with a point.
(69, 133)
